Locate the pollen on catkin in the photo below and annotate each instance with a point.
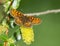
(27, 34)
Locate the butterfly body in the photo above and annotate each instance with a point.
(21, 19)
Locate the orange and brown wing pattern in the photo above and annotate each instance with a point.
(34, 20)
(14, 13)
(21, 19)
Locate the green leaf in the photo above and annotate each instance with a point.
(16, 4)
(12, 45)
(2, 14)
(12, 30)
(1, 44)
(7, 5)
(11, 4)
(3, 37)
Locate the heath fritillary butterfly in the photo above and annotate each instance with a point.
(21, 19)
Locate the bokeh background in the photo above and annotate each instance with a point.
(48, 32)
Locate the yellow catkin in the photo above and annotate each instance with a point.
(27, 34)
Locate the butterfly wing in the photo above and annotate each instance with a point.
(15, 14)
(23, 21)
(34, 20)
(18, 21)
(27, 24)
(26, 21)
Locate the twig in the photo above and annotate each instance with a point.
(43, 13)
(5, 43)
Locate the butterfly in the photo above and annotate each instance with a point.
(21, 19)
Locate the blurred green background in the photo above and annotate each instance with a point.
(48, 32)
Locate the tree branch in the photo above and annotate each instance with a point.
(43, 13)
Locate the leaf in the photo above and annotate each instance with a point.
(2, 14)
(3, 37)
(12, 45)
(12, 30)
(11, 4)
(7, 6)
(1, 44)
(16, 4)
